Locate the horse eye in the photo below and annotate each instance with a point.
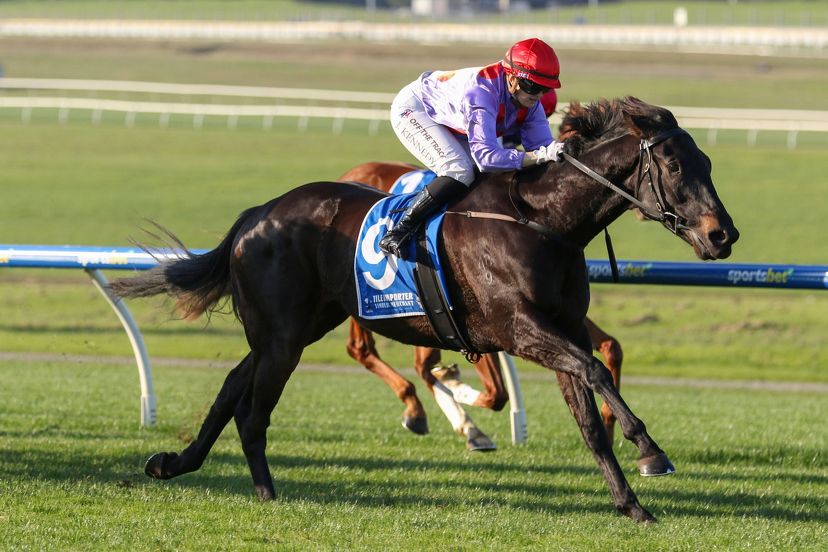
(673, 167)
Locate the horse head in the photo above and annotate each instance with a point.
(671, 182)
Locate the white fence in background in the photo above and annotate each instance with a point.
(197, 90)
(340, 107)
(716, 37)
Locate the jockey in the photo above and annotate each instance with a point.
(549, 101)
(451, 121)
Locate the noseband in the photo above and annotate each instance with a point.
(665, 215)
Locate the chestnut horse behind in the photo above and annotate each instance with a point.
(362, 348)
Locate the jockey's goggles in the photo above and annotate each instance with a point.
(531, 88)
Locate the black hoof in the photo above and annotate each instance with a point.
(265, 492)
(157, 463)
(654, 466)
(479, 442)
(415, 425)
(639, 514)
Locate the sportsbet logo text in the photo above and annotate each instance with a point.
(760, 275)
(624, 270)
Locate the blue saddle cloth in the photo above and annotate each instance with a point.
(385, 283)
(413, 181)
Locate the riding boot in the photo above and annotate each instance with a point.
(436, 194)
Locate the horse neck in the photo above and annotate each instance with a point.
(574, 204)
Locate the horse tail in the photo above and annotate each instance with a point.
(196, 281)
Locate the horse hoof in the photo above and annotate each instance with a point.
(155, 465)
(265, 492)
(639, 514)
(654, 466)
(415, 425)
(480, 442)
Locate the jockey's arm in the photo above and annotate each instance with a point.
(537, 140)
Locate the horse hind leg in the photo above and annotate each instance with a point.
(276, 353)
(362, 348)
(272, 370)
(166, 465)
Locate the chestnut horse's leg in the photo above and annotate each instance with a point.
(461, 422)
(362, 348)
(610, 349)
(166, 465)
(581, 404)
(494, 395)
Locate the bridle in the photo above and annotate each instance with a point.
(666, 215)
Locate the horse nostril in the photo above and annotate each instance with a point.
(717, 237)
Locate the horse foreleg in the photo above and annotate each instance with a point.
(540, 341)
(581, 404)
(361, 347)
(460, 421)
(610, 349)
(166, 465)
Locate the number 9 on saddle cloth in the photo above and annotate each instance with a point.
(385, 284)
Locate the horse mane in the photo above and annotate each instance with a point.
(585, 126)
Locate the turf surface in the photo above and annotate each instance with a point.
(752, 467)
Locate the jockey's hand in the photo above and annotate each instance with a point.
(552, 152)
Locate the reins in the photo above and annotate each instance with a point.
(664, 215)
(521, 219)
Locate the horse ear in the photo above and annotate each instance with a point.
(634, 116)
(570, 124)
(635, 123)
(644, 119)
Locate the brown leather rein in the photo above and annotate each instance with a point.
(667, 217)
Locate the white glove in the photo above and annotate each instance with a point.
(552, 152)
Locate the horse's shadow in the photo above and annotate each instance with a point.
(362, 487)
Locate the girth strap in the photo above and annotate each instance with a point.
(436, 304)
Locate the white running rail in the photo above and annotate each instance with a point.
(712, 118)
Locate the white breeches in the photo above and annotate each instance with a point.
(432, 143)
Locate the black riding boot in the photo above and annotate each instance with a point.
(436, 194)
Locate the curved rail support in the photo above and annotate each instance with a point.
(148, 404)
(517, 413)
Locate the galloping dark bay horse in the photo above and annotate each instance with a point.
(362, 348)
(519, 287)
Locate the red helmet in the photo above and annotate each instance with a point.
(535, 60)
(549, 102)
